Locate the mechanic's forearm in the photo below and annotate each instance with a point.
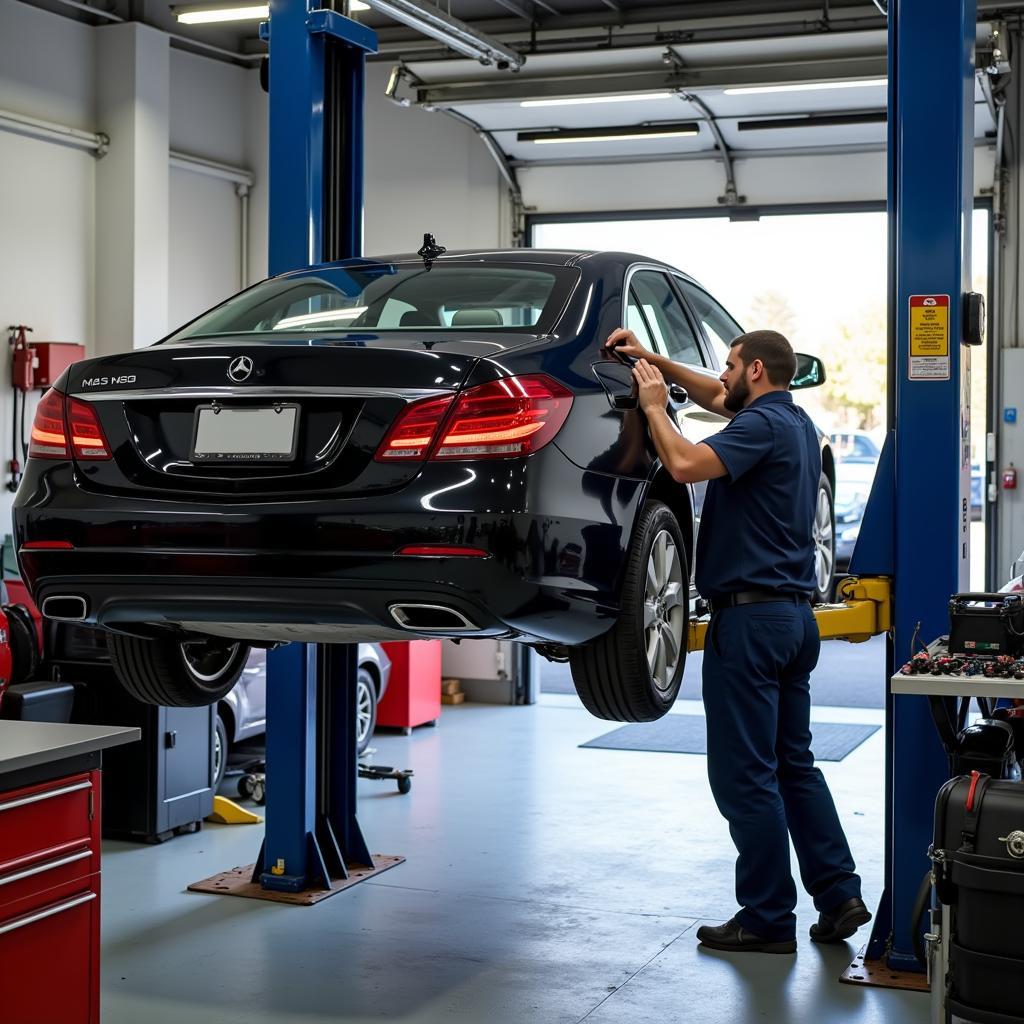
(674, 450)
(706, 391)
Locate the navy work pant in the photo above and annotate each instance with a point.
(757, 665)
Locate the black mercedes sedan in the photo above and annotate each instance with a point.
(384, 449)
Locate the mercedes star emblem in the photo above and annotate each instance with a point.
(240, 369)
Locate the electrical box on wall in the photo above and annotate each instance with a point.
(52, 358)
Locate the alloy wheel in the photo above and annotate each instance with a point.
(664, 611)
(365, 700)
(208, 661)
(824, 550)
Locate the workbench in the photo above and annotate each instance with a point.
(50, 870)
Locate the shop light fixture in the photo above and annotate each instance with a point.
(218, 13)
(813, 121)
(579, 101)
(629, 132)
(758, 90)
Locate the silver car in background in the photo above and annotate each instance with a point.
(242, 714)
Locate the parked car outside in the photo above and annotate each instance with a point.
(242, 712)
(854, 477)
(387, 449)
(854, 444)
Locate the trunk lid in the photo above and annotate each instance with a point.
(346, 393)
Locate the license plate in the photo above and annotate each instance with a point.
(225, 434)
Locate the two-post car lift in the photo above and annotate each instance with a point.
(913, 548)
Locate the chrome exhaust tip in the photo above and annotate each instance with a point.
(430, 618)
(65, 608)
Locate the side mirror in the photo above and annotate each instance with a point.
(678, 394)
(810, 372)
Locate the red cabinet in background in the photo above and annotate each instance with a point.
(413, 695)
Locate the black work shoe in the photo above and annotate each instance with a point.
(734, 938)
(840, 923)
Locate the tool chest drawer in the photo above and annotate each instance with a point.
(49, 956)
(44, 821)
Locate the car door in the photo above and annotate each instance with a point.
(655, 308)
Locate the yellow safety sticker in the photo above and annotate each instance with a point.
(929, 337)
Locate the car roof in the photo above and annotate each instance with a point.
(596, 261)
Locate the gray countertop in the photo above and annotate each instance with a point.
(27, 744)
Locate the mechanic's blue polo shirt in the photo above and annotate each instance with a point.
(755, 529)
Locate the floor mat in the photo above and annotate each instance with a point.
(686, 734)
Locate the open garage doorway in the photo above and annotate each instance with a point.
(819, 276)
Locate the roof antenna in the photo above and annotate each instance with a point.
(430, 250)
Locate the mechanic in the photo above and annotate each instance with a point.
(755, 565)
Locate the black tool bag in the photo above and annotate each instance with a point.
(978, 850)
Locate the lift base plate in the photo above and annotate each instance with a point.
(877, 974)
(238, 882)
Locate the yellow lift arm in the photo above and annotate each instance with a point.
(864, 610)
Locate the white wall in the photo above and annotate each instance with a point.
(47, 196)
(426, 172)
(205, 244)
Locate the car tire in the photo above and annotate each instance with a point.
(366, 709)
(614, 675)
(221, 746)
(824, 533)
(169, 672)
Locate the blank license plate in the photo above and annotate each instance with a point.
(245, 435)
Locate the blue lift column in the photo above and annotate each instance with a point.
(316, 71)
(931, 197)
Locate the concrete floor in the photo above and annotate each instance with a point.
(544, 884)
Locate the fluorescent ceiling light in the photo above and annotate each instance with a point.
(578, 101)
(629, 132)
(211, 15)
(813, 121)
(754, 90)
(325, 317)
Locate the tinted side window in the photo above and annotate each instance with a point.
(720, 328)
(666, 321)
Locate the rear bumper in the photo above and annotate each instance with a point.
(326, 571)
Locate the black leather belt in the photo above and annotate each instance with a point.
(756, 597)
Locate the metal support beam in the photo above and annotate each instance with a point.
(601, 83)
(931, 54)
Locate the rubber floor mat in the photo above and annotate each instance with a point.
(686, 734)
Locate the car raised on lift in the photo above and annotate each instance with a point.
(386, 449)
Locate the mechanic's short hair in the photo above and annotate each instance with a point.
(773, 350)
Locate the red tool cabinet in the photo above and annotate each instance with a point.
(50, 871)
(413, 696)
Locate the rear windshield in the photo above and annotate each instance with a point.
(392, 297)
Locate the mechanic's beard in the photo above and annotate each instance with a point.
(736, 397)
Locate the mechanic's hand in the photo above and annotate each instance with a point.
(625, 342)
(653, 391)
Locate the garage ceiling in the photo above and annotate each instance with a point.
(686, 58)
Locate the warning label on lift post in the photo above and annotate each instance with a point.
(929, 337)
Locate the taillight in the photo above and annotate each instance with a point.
(57, 420)
(413, 432)
(49, 439)
(86, 433)
(506, 418)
